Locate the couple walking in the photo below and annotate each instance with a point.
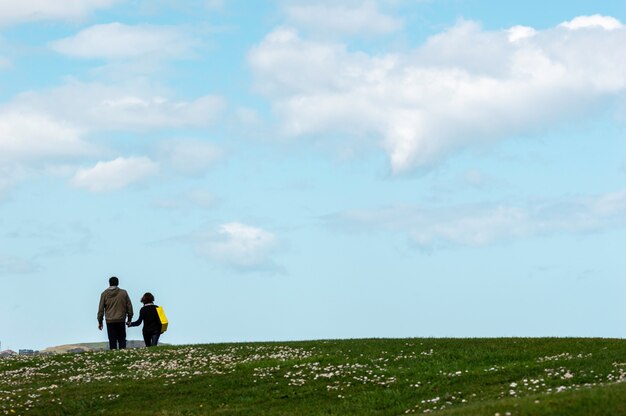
(116, 306)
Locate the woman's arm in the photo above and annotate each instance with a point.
(138, 321)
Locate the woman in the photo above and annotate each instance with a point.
(151, 322)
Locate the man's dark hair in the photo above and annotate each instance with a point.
(114, 281)
(147, 298)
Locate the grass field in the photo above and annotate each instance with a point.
(513, 376)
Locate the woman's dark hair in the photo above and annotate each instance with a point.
(147, 298)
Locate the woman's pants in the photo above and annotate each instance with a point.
(151, 340)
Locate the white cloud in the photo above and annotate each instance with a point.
(517, 33)
(481, 224)
(188, 156)
(12, 11)
(117, 41)
(33, 136)
(125, 106)
(40, 131)
(240, 246)
(342, 17)
(595, 21)
(115, 174)
(33, 142)
(462, 87)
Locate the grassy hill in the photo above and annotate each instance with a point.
(513, 376)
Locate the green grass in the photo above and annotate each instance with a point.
(516, 376)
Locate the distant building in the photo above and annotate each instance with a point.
(28, 352)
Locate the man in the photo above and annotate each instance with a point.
(116, 306)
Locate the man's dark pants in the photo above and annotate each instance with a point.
(117, 335)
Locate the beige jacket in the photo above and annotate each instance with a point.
(115, 305)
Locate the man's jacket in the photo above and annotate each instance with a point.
(115, 305)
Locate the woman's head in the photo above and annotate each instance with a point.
(147, 298)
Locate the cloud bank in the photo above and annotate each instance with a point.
(13, 12)
(462, 87)
(123, 106)
(483, 224)
(115, 41)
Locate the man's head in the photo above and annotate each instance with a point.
(114, 281)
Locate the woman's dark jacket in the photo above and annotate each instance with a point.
(150, 317)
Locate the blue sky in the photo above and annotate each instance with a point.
(285, 170)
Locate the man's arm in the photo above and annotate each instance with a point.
(129, 308)
(101, 311)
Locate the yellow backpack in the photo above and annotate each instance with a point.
(162, 318)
